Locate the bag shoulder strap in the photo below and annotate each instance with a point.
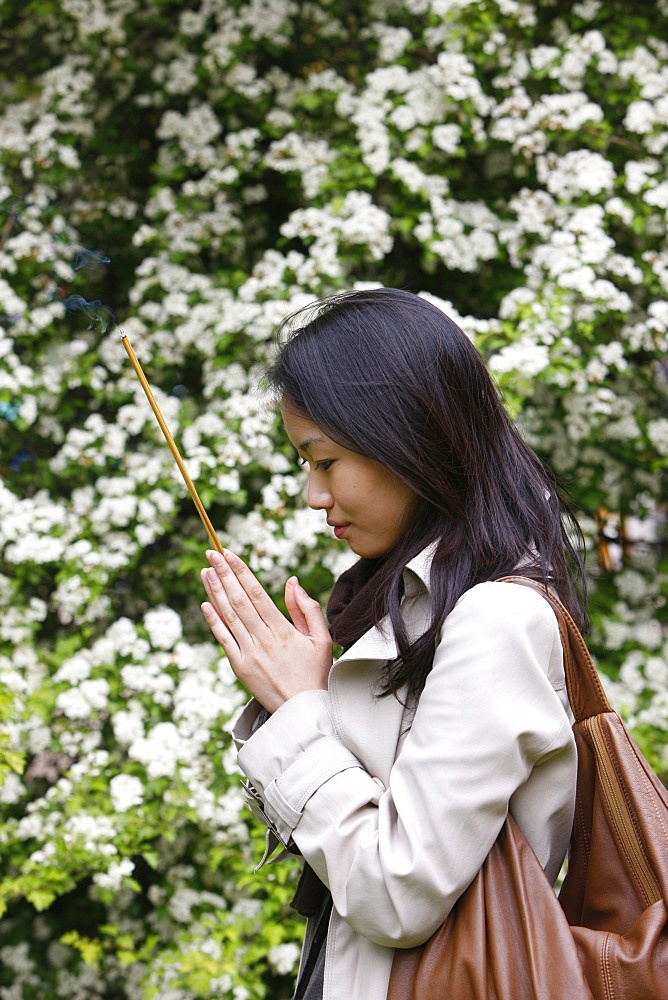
(585, 691)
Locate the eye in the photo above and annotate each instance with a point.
(321, 466)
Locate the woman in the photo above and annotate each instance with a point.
(392, 771)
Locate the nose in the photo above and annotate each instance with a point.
(318, 497)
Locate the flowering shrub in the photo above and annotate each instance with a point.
(197, 172)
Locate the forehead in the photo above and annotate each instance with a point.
(302, 431)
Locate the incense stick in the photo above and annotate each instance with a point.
(213, 538)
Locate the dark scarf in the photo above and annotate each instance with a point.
(351, 612)
(352, 608)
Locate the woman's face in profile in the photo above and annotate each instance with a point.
(365, 503)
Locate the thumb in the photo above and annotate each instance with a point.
(316, 625)
(294, 607)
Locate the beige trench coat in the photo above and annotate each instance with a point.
(396, 808)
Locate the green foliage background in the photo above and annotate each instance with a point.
(232, 161)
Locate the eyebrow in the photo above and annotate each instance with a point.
(314, 439)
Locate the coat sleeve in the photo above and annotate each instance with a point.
(397, 858)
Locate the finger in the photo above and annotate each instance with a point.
(242, 626)
(213, 589)
(292, 604)
(204, 576)
(230, 599)
(259, 599)
(219, 630)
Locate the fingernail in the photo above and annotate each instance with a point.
(215, 558)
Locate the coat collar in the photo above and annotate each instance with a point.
(379, 642)
(417, 575)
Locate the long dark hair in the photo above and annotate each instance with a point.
(388, 375)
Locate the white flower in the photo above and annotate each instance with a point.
(309, 157)
(181, 903)
(391, 41)
(638, 172)
(126, 791)
(248, 908)
(12, 790)
(192, 130)
(114, 875)
(128, 726)
(150, 678)
(577, 172)
(74, 670)
(80, 702)
(160, 750)
(658, 195)
(446, 137)
(656, 671)
(93, 830)
(163, 626)
(616, 206)
(649, 634)
(198, 703)
(30, 827)
(640, 117)
(403, 117)
(283, 957)
(631, 585)
(524, 356)
(624, 429)
(17, 958)
(657, 431)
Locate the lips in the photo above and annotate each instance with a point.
(339, 529)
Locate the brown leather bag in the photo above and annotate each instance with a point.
(509, 937)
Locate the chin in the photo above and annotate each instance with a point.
(368, 553)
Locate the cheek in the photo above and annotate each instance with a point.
(396, 496)
(387, 517)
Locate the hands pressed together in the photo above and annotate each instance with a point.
(272, 658)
